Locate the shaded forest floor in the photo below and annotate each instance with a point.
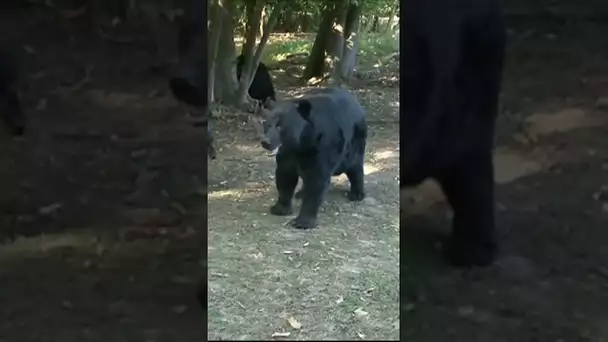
(101, 208)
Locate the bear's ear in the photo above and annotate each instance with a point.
(260, 111)
(269, 103)
(304, 107)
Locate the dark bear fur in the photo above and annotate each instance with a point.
(451, 83)
(11, 114)
(261, 87)
(201, 294)
(318, 136)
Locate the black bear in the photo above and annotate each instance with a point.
(261, 87)
(317, 137)
(11, 114)
(451, 82)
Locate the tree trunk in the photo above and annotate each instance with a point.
(335, 46)
(132, 10)
(216, 27)
(337, 38)
(157, 25)
(375, 22)
(226, 83)
(304, 22)
(272, 20)
(254, 14)
(351, 42)
(363, 22)
(117, 8)
(315, 67)
(391, 17)
(264, 19)
(241, 24)
(290, 21)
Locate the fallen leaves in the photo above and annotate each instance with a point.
(602, 102)
(67, 304)
(41, 105)
(601, 194)
(153, 217)
(182, 280)
(360, 313)
(466, 311)
(294, 323)
(50, 209)
(179, 309)
(29, 49)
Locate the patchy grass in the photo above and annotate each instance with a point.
(339, 281)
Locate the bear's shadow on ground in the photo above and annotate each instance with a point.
(337, 191)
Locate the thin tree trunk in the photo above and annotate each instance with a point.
(264, 19)
(254, 14)
(392, 13)
(315, 66)
(335, 47)
(351, 42)
(375, 21)
(272, 20)
(226, 83)
(157, 26)
(216, 24)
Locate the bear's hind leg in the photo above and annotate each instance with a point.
(313, 194)
(355, 172)
(355, 177)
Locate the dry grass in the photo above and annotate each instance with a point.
(339, 281)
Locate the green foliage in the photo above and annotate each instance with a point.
(377, 7)
(306, 14)
(372, 46)
(277, 50)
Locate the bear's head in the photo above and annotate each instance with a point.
(285, 124)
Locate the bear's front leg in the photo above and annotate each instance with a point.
(286, 178)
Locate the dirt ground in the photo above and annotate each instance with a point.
(551, 281)
(101, 208)
(339, 281)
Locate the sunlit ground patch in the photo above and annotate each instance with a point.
(130, 100)
(31, 246)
